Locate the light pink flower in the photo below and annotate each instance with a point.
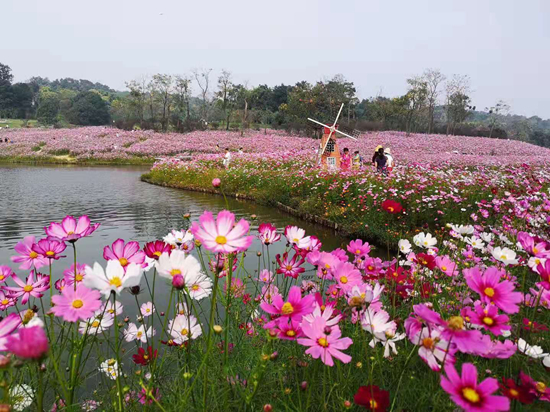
(358, 248)
(125, 254)
(5, 273)
(268, 234)
(7, 326)
(32, 287)
(73, 305)
(49, 248)
(222, 235)
(325, 342)
(347, 276)
(70, 230)
(28, 257)
(70, 276)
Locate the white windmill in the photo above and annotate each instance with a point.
(329, 153)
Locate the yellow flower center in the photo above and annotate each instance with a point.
(70, 233)
(147, 310)
(50, 253)
(373, 404)
(344, 279)
(28, 288)
(115, 282)
(5, 302)
(489, 292)
(139, 333)
(123, 261)
(78, 277)
(390, 209)
(444, 268)
(428, 343)
(287, 309)
(145, 357)
(175, 272)
(288, 267)
(221, 240)
(290, 333)
(357, 251)
(541, 387)
(195, 287)
(322, 342)
(2, 277)
(111, 362)
(95, 324)
(184, 332)
(33, 255)
(157, 253)
(296, 240)
(535, 251)
(77, 304)
(456, 323)
(488, 321)
(514, 393)
(471, 395)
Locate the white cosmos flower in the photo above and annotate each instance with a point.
(546, 361)
(475, 242)
(199, 285)
(505, 255)
(504, 239)
(110, 368)
(425, 240)
(113, 278)
(183, 328)
(534, 261)
(111, 309)
(147, 309)
(97, 324)
(178, 263)
(181, 309)
(132, 332)
(404, 246)
(463, 229)
(21, 396)
(388, 341)
(177, 237)
(486, 237)
(377, 322)
(535, 352)
(297, 236)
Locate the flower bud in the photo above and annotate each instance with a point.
(274, 356)
(347, 404)
(217, 329)
(268, 407)
(303, 385)
(134, 290)
(216, 182)
(327, 330)
(178, 282)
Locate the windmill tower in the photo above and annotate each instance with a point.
(329, 154)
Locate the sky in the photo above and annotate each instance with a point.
(503, 46)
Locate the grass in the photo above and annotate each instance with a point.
(17, 123)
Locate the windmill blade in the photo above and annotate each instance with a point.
(345, 134)
(319, 123)
(339, 112)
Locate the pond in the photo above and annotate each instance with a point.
(34, 196)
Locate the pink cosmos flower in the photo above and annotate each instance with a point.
(325, 342)
(533, 245)
(268, 234)
(153, 250)
(32, 287)
(70, 275)
(294, 308)
(288, 329)
(28, 343)
(60, 284)
(266, 276)
(297, 236)
(340, 254)
(28, 257)
(70, 230)
(491, 291)
(446, 265)
(6, 301)
(466, 340)
(7, 326)
(358, 248)
(501, 350)
(290, 267)
(49, 248)
(543, 269)
(5, 273)
(125, 254)
(347, 276)
(468, 394)
(73, 305)
(488, 318)
(222, 235)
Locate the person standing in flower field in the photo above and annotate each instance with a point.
(379, 159)
(389, 160)
(346, 159)
(357, 160)
(227, 158)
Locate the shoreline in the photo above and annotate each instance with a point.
(62, 160)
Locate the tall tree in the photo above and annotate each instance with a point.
(163, 85)
(89, 109)
(501, 108)
(182, 97)
(138, 97)
(417, 96)
(48, 106)
(457, 105)
(434, 79)
(202, 77)
(225, 87)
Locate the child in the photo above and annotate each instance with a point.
(357, 160)
(389, 160)
(346, 159)
(227, 158)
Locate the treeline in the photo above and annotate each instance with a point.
(433, 103)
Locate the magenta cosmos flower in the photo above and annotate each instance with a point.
(28, 343)
(5, 273)
(468, 394)
(73, 305)
(491, 290)
(325, 341)
(35, 285)
(71, 275)
(268, 234)
(153, 250)
(7, 326)
(28, 257)
(70, 230)
(358, 248)
(294, 308)
(125, 254)
(222, 235)
(488, 318)
(49, 248)
(290, 267)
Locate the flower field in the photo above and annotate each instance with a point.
(457, 319)
(109, 144)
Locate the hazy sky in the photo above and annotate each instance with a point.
(503, 45)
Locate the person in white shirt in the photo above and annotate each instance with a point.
(389, 160)
(227, 158)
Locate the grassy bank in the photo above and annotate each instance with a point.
(430, 197)
(67, 159)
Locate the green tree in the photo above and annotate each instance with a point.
(22, 100)
(89, 109)
(48, 106)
